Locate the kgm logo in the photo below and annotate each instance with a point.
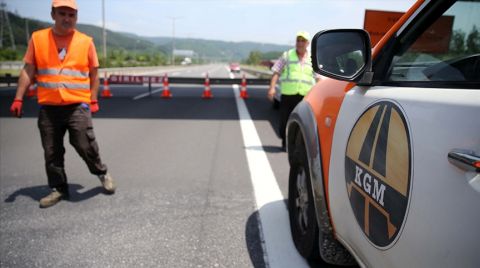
(378, 172)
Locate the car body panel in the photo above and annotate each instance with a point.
(327, 96)
(325, 99)
(426, 223)
(437, 224)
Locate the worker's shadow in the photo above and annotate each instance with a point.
(38, 192)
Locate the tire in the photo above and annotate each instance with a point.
(312, 242)
(303, 222)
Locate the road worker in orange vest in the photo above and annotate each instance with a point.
(64, 64)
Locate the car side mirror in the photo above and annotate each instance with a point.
(343, 54)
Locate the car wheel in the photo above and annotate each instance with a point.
(313, 241)
(303, 222)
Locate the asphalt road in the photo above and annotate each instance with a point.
(185, 196)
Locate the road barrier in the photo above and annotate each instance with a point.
(166, 94)
(106, 93)
(150, 80)
(207, 92)
(140, 80)
(243, 90)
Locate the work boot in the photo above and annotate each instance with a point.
(108, 183)
(54, 197)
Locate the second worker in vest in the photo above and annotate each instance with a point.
(64, 64)
(295, 73)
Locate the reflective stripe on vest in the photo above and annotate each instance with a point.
(296, 78)
(50, 85)
(63, 72)
(62, 82)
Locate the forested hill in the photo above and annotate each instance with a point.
(131, 42)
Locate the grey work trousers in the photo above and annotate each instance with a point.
(53, 122)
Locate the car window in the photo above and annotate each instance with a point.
(448, 50)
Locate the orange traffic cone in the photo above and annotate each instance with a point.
(106, 93)
(243, 90)
(32, 91)
(207, 93)
(166, 91)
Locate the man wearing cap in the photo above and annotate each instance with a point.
(295, 72)
(64, 64)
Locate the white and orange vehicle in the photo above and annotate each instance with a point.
(385, 153)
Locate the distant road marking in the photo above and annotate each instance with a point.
(143, 95)
(279, 250)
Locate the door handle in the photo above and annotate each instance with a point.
(466, 160)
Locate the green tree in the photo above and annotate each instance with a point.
(473, 41)
(273, 55)
(9, 55)
(457, 43)
(254, 58)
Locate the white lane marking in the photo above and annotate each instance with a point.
(143, 95)
(274, 221)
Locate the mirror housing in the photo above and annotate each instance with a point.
(343, 54)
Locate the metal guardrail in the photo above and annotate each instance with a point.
(217, 81)
(12, 80)
(263, 74)
(7, 79)
(132, 79)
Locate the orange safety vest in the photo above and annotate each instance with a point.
(62, 82)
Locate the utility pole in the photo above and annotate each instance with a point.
(173, 38)
(5, 20)
(104, 35)
(1, 25)
(27, 31)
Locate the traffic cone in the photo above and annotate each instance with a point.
(106, 93)
(32, 91)
(207, 93)
(166, 91)
(243, 90)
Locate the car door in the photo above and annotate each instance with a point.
(404, 172)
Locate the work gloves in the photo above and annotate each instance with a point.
(16, 108)
(94, 106)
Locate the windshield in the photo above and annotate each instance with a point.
(447, 50)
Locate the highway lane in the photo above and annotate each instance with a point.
(185, 198)
(214, 70)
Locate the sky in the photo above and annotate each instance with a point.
(263, 21)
